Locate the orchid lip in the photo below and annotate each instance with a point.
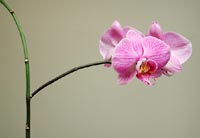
(146, 66)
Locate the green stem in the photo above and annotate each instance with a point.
(26, 60)
(27, 69)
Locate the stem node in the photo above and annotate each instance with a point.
(26, 60)
(11, 11)
(27, 127)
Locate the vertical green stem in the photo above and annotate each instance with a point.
(26, 60)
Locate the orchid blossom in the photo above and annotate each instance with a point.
(180, 47)
(111, 38)
(139, 56)
(146, 57)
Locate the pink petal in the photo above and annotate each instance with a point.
(144, 78)
(114, 34)
(128, 28)
(106, 50)
(155, 30)
(180, 46)
(172, 67)
(109, 39)
(134, 35)
(124, 56)
(126, 77)
(124, 59)
(136, 39)
(157, 74)
(156, 50)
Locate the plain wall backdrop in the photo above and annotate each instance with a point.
(62, 34)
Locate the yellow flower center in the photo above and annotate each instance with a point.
(144, 67)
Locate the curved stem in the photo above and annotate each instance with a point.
(67, 73)
(26, 60)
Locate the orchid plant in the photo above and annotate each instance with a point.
(128, 51)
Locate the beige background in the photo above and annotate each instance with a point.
(62, 34)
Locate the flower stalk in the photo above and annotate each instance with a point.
(29, 96)
(67, 73)
(27, 68)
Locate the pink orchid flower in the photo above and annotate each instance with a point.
(180, 47)
(139, 56)
(111, 38)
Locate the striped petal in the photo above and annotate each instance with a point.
(124, 60)
(155, 30)
(180, 46)
(156, 50)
